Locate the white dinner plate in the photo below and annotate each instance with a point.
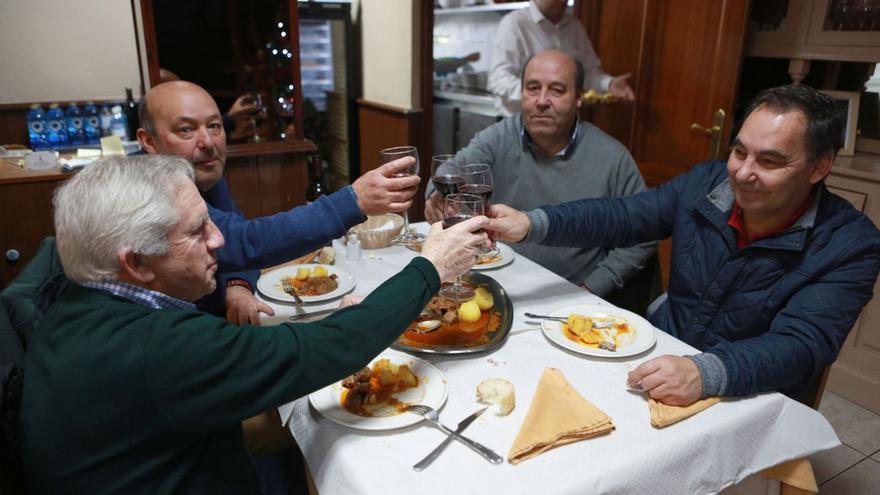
(507, 255)
(431, 391)
(269, 283)
(644, 338)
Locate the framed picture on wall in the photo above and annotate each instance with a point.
(849, 102)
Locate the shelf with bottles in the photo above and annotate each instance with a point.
(71, 125)
(844, 30)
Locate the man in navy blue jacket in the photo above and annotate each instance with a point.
(770, 270)
(180, 118)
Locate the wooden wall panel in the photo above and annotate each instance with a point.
(385, 126)
(268, 178)
(13, 126)
(620, 52)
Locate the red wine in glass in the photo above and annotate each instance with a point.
(450, 221)
(482, 190)
(447, 184)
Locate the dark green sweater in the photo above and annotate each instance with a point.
(120, 398)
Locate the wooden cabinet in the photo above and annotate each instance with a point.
(25, 214)
(856, 374)
(846, 30)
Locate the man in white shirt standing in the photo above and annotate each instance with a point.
(543, 25)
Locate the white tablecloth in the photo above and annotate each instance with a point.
(703, 454)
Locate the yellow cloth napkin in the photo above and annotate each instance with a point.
(797, 474)
(558, 415)
(663, 415)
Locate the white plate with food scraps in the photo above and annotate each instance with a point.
(269, 283)
(631, 333)
(430, 391)
(504, 257)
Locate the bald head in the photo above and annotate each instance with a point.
(551, 89)
(180, 118)
(566, 65)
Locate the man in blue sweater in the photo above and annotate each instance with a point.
(770, 270)
(180, 118)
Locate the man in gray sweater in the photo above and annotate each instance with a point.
(545, 155)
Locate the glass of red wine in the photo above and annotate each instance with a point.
(407, 237)
(445, 174)
(458, 208)
(478, 180)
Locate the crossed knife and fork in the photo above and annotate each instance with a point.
(430, 414)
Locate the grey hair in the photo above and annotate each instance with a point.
(113, 205)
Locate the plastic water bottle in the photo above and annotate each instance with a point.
(36, 122)
(56, 127)
(119, 124)
(92, 123)
(106, 119)
(76, 133)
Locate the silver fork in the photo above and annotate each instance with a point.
(288, 287)
(430, 414)
(596, 324)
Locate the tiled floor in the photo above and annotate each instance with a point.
(854, 467)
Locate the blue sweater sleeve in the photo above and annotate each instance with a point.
(219, 198)
(267, 241)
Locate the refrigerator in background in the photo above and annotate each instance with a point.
(328, 68)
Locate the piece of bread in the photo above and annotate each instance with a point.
(497, 391)
(327, 255)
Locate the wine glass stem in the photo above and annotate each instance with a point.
(406, 221)
(457, 282)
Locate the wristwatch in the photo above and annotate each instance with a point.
(241, 282)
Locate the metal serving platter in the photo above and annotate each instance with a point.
(503, 306)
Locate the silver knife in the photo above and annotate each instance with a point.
(314, 313)
(436, 452)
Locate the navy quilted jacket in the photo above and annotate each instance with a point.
(775, 312)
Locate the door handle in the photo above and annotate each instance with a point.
(713, 132)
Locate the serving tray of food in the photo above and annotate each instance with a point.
(448, 327)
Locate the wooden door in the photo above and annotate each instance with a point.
(685, 57)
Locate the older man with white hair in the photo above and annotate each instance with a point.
(129, 389)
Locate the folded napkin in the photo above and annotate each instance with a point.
(663, 415)
(558, 415)
(797, 474)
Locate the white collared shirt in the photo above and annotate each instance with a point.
(526, 32)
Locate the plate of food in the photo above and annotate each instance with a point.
(597, 330)
(502, 255)
(375, 397)
(593, 97)
(312, 282)
(449, 327)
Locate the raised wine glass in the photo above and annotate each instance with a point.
(458, 208)
(445, 174)
(478, 181)
(407, 237)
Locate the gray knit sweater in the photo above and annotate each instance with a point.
(594, 166)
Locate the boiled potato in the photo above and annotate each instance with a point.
(484, 299)
(319, 272)
(302, 273)
(469, 311)
(406, 376)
